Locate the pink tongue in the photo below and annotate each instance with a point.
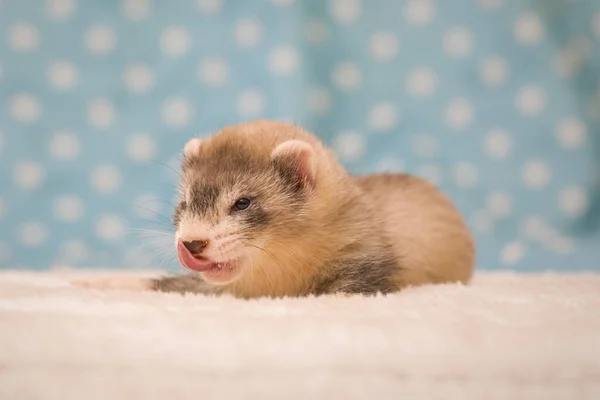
(190, 262)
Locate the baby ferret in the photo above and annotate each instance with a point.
(265, 209)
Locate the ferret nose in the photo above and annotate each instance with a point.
(195, 246)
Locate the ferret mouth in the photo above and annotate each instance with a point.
(218, 272)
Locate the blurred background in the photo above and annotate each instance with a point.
(495, 101)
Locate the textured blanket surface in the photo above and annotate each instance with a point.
(504, 336)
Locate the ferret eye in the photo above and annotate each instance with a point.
(241, 204)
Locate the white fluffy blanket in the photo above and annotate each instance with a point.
(506, 336)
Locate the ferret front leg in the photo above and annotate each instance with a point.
(168, 284)
(190, 283)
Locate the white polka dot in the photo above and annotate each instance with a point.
(499, 204)
(319, 100)
(110, 227)
(528, 29)
(61, 9)
(345, 11)
(316, 31)
(571, 133)
(424, 145)
(214, 71)
(105, 179)
(459, 113)
(593, 107)
(497, 143)
(458, 41)
(390, 164)
(248, 32)
(283, 60)
(512, 253)
(68, 208)
(5, 253)
(383, 116)
(581, 44)
(23, 37)
(62, 75)
(349, 145)
(175, 41)
(73, 251)
(141, 147)
(283, 2)
(419, 12)
(431, 173)
(209, 6)
(101, 113)
(530, 100)
(568, 63)
(536, 174)
(177, 112)
(596, 25)
(100, 40)
(250, 103)
(560, 244)
(25, 108)
(573, 201)
(346, 76)
(489, 4)
(535, 228)
(493, 71)
(147, 207)
(136, 10)
(465, 175)
(383, 46)
(421, 81)
(32, 234)
(28, 174)
(482, 221)
(64, 146)
(138, 78)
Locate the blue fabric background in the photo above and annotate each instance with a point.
(496, 101)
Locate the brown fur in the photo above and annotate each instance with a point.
(370, 234)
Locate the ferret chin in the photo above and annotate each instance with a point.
(265, 209)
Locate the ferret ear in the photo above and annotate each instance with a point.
(296, 159)
(192, 148)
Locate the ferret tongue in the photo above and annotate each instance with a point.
(190, 262)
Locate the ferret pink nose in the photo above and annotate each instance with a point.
(195, 246)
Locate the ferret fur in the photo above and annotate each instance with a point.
(321, 230)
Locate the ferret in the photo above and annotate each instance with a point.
(266, 210)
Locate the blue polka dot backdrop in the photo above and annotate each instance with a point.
(495, 101)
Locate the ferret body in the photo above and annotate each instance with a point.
(267, 210)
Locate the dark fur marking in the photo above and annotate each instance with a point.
(203, 198)
(255, 217)
(189, 283)
(177, 213)
(368, 276)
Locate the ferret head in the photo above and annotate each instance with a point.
(240, 189)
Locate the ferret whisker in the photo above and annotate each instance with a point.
(166, 202)
(289, 251)
(162, 217)
(178, 173)
(153, 257)
(261, 268)
(150, 231)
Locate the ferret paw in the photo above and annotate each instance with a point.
(135, 284)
